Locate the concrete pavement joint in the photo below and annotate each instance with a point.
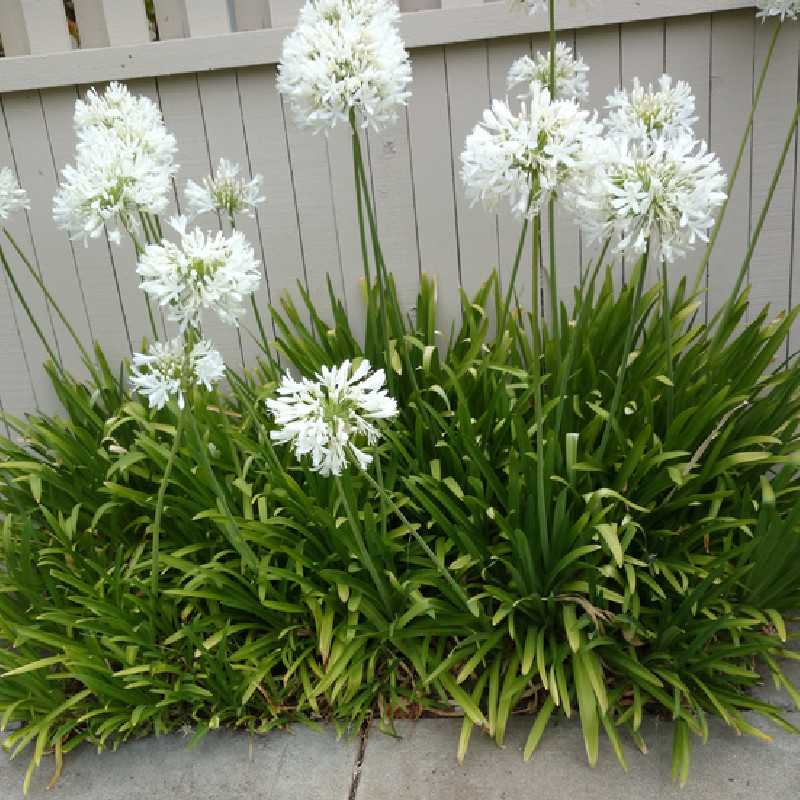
(359, 762)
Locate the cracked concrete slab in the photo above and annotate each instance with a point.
(422, 765)
(300, 765)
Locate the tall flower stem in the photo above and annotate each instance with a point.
(551, 206)
(725, 311)
(666, 314)
(627, 346)
(357, 162)
(137, 246)
(739, 158)
(162, 491)
(515, 269)
(538, 353)
(24, 303)
(49, 297)
(440, 567)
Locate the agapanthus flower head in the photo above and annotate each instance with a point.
(12, 197)
(124, 163)
(531, 6)
(169, 367)
(345, 55)
(205, 271)
(226, 192)
(571, 72)
(785, 9)
(663, 197)
(330, 417)
(647, 112)
(525, 157)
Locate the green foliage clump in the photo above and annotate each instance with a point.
(596, 564)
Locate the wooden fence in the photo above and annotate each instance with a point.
(212, 71)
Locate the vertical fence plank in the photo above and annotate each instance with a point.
(688, 58)
(251, 15)
(600, 48)
(17, 389)
(283, 13)
(171, 19)
(770, 268)
(19, 226)
(219, 94)
(111, 22)
(29, 136)
(183, 114)
(268, 151)
(342, 178)
(33, 27)
(312, 189)
(435, 173)
(207, 17)
(732, 41)
(468, 95)
(390, 159)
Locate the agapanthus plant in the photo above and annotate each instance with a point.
(570, 73)
(327, 418)
(647, 112)
(785, 9)
(525, 157)
(12, 197)
(225, 191)
(663, 197)
(124, 164)
(205, 271)
(168, 368)
(345, 56)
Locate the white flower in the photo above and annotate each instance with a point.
(11, 196)
(647, 113)
(166, 368)
(325, 417)
(225, 191)
(664, 196)
(571, 81)
(206, 271)
(124, 163)
(524, 155)
(343, 55)
(785, 9)
(531, 6)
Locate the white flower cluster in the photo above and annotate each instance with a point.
(785, 9)
(647, 113)
(325, 417)
(160, 373)
(648, 182)
(571, 72)
(525, 157)
(665, 195)
(124, 163)
(531, 6)
(225, 191)
(343, 55)
(206, 271)
(12, 197)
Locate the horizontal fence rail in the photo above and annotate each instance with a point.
(114, 36)
(217, 93)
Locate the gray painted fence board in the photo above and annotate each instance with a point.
(771, 263)
(435, 173)
(732, 40)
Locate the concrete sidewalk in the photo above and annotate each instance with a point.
(421, 765)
